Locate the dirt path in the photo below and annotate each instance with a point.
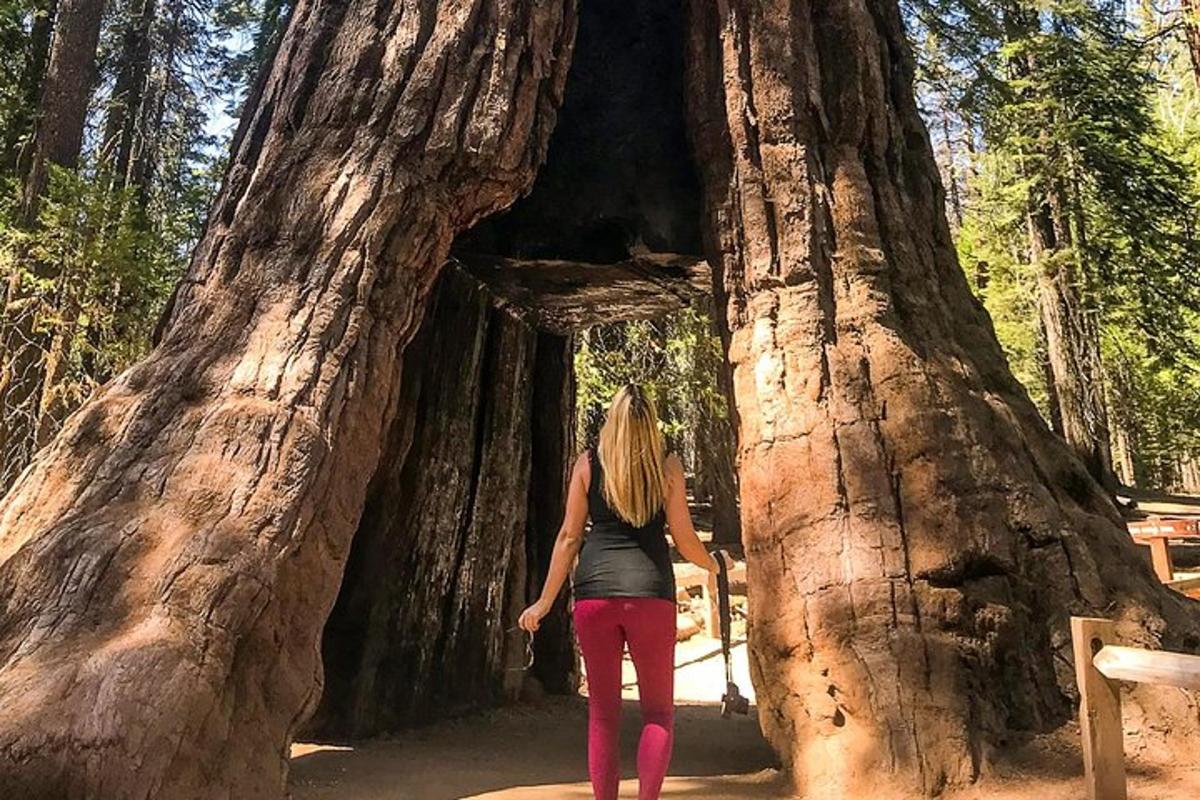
(538, 752)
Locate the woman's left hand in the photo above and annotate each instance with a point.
(531, 618)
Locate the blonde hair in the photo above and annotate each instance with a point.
(631, 454)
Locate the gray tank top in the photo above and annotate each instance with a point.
(619, 559)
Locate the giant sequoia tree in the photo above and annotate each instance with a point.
(916, 537)
(184, 535)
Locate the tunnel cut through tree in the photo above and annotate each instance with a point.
(484, 422)
(916, 539)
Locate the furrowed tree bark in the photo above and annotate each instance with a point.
(167, 563)
(716, 444)
(916, 539)
(424, 625)
(65, 90)
(555, 662)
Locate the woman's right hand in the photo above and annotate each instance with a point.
(531, 618)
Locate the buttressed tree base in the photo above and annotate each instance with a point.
(916, 538)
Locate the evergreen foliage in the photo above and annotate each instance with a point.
(84, 286)
(675, 359)
(1083, 102)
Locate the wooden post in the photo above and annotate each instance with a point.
(1160, 556)
(1099, 712)
(1188, 586)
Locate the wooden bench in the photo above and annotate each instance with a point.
(1100, 665)
(689, 575)
(1156, 534)
(1160, 554)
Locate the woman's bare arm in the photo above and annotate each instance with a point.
(679, 518)
(566, 545)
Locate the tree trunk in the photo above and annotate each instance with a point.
(1070, 334)
(187, 528)
(57, 138)
(555, 661)
(916, 540)
(717, 451)
(66, 88)
(1072, 343)
(566, 296)
(1191, 27)
(1053, 407)
(1123, 423)
(423, 626)
(37, 44)
(1189, 474)
(125, 105)
(956, 206)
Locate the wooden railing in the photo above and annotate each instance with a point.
(1100, 665)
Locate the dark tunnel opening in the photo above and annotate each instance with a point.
(619, 176)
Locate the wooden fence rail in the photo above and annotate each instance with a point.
(1100, 665)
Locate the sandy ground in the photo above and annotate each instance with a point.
(538, 752)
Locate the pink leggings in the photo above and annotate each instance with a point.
(603, 627)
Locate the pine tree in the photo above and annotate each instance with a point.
(1062, 94)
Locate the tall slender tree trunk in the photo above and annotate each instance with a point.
(1070, 334)
(1072, 341)
(187, 528)
(125, 112)
(57, 139)
(1189, 474)
(1053, 408)
(38, 49)
(1123, 436)
(956, 206)
(717, 445)
(66, 89)
(915, 538)
(1191, 27)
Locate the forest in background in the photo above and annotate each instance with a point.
(1068, 132)
(1068, 136)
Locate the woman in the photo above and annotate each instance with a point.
(624, 584)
